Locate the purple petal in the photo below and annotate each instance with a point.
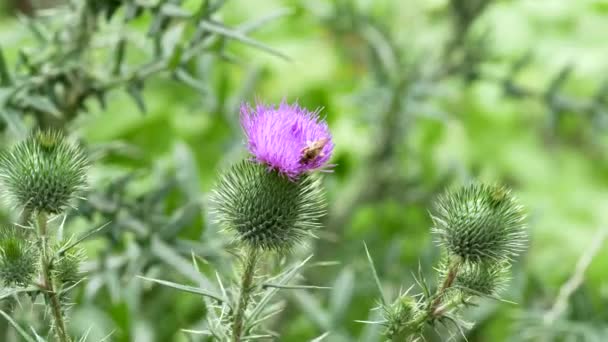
(287, 138)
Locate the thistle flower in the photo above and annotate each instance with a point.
(266, 210)
(18, 258)
(43, 173)
(288, 138)
(480, 223)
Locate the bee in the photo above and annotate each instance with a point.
(313, 150)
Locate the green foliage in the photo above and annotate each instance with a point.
(78, 58)
(480, 223)
(265, 210)
(44, 173)
(420, 95)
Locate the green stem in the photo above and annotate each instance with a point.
(47, 281)
(249, 264)
(447, 283)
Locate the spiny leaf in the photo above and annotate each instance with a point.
(375, 275)
(238, 36)
(18, 328)
(184, 288)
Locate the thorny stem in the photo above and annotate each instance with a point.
(436, 308)
(249, 264)
(47, 280)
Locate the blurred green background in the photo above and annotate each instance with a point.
(389, 166)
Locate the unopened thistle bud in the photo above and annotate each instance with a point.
(18, 258)
(400, 318)
(43, 173)
(66, 268)
(272, 201)
(266, 210)
(480, 223)
(482, 278)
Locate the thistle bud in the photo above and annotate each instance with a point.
(480, 223)
(43, 173)
(484, 279)
(265, 209)
(401, 320)
(67, 268)
(18, 258)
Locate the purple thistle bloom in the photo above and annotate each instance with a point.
(289, 139)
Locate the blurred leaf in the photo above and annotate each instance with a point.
(182, 218)
(184, 288)
(134, 90)
(342, 294)
(186, 171)
(41, 104)
(313, 309)
(238, 36)
(14, 122)
(5, 76)
(20, 330)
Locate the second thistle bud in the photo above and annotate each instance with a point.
(67, 268)
(43, 173)
(18, 258)
(400, 317)
(265, 209)
(482, 279)
(480, 223)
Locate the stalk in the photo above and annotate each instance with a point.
(435, 308)
(47, 281)
(249, 265)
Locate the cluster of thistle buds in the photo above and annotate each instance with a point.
(273, 200)
(41, 177)
(480, 229)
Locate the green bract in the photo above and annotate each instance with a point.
(266, 210)
(480, 223)
(43, 173)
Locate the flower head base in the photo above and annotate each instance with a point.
(480, 223)
(288, 138)
(43, 173)
(265, 210)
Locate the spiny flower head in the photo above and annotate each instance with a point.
(44, 172)
(480, 223)
(265, 210)
(288, 138)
